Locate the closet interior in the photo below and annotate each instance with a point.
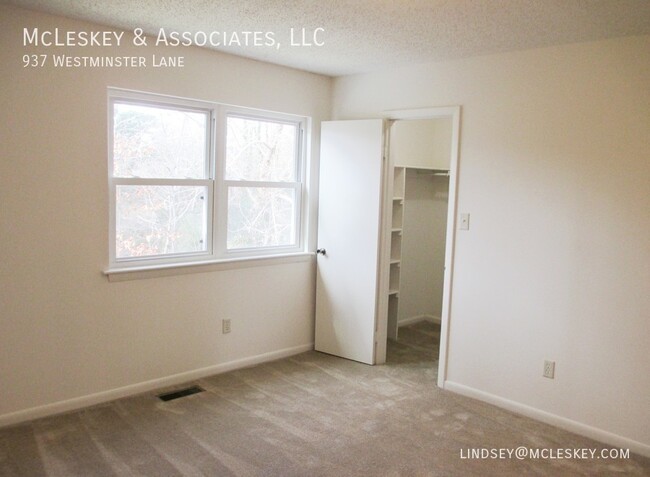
(420, 151)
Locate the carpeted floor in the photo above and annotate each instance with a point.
(309, 415)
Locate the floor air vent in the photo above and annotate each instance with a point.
(181, 393)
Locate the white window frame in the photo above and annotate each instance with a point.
(217, 186)
(223, 185)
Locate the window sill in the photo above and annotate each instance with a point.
(170, 269)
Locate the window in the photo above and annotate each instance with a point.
(192, 181)
(262, 182)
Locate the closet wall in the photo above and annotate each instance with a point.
(423, 246)
(421, 143)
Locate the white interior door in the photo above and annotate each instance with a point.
(349, 219)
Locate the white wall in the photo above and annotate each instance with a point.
(65, 331)
(555, 171)
(423, 245)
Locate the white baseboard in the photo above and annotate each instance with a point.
(173, 380)
(418, 318)
(553, 419)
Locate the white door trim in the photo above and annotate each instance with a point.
(452, 112)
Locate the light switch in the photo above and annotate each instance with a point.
(464, 222)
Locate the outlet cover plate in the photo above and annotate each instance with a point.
(549, 369)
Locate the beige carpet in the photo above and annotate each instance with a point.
(310, 415)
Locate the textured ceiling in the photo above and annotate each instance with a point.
(366, 35)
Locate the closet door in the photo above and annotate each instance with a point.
(349, 219)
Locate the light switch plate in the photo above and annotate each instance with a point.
(464, 221)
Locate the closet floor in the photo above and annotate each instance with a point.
(418, 343)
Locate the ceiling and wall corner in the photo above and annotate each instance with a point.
(371, 35)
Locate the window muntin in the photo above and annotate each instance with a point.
(175, 196)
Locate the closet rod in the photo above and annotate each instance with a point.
(433, 172)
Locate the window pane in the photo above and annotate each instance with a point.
(160, 220)
(261, 217)
(259, 150)
(155, 142)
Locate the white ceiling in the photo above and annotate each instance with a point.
(366, 35)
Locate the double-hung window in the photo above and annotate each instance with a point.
(261, 185)
(193, 181)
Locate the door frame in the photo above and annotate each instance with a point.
(454, 113)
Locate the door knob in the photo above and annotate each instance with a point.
(322, 251)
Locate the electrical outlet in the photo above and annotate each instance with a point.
(225, 326)
(549, 369)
